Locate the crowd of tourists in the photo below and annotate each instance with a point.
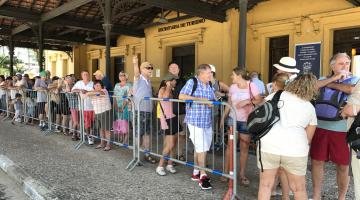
(307, 126)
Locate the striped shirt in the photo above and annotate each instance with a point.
(101, 103)
(198, 115)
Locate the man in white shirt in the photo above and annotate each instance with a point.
(82, 87)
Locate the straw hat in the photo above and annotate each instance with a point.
(287, 64)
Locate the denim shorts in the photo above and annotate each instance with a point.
(241, 127)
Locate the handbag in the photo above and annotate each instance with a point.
(121, 126)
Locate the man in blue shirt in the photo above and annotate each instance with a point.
(260, 85)
(101, 77)
(198, 119)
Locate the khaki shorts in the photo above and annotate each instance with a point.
(293, 165)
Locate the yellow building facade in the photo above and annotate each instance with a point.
(206, 41)
(59, 63)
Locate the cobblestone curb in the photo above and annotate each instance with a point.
(34, 189)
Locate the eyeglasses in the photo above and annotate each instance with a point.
(149, 68)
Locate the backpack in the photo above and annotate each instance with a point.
(353, 136)
(196, 84)
(329, 103)
(195, 87)
(262, 118)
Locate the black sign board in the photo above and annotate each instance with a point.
(308, 57)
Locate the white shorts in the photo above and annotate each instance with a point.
(201, 138)
(18, 114)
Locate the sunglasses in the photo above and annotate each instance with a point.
(149, 68)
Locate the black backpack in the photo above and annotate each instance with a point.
(262, 119)
(353, 136)
(195, 85)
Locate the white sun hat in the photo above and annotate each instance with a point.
(212, 67)
(287, 64)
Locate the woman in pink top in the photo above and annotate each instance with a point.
(243, 95)
(169, 124)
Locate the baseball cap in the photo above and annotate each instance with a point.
(212, 67)
(98, 72)
(169, 77)
(42, 74)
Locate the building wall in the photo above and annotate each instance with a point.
(305, 21)
(211, 41)
(58, 63)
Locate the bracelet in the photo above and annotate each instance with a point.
(354, 110)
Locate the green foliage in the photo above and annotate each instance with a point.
(5, 61)
(5, 65)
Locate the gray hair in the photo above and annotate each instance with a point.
(336, 56)
(254, 74)
(126, 75)
(201, 68)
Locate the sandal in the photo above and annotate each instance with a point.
(107, 148)
(244, 181)
(182, 157)
(150, 159)
(99, 146)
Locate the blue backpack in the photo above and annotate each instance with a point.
(329, 102)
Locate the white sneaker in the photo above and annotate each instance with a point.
(171, 169)
(57, 130)
(161, 171)
(90, 140)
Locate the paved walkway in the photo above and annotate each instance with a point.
(9, 190)
(88, 173)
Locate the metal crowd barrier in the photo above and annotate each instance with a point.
(124, 126)
(64, 113)
(215, 153)
(4, 102)
(118, 121)
(30, 110)
(9, 99)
